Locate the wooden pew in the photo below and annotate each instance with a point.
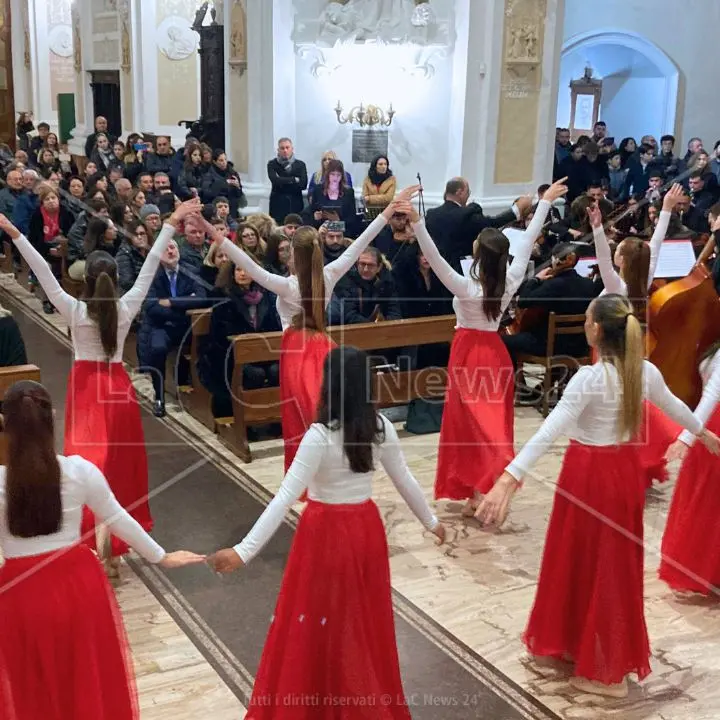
(197, 400)
(256, 407)
(8, 377)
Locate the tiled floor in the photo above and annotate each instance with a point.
(479, 588)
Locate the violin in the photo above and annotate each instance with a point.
(683, 321)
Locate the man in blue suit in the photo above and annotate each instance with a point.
(165, 324)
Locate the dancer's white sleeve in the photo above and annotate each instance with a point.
(457, 284)
(518, 267)
(658, 393)
(303, 469)
(656, 242)
(277, 284)
(611, 279)
(708, 401)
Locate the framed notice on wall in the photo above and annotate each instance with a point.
(368, 144)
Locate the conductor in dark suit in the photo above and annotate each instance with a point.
(455, 225)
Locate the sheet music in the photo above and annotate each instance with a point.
(585, 265)
(676, 259)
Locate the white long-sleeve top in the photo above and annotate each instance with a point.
(85, 333)
(287, 289)
(589, 411)
(710, 373)
(611, 278)
(81, 484)
(468, 301)
(321, 467)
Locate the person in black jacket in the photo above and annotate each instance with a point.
(101, 128)
(222, 180)
(289, 178)
(12, 345)
(557, 289)
(247, 308)
(366, 294)
(190, 179)
(455, 225)
(131, 254)
(639, 169)
(165, 324)
(333, 200)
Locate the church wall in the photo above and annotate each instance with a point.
(686, 32)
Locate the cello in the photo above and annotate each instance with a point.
(683, 321)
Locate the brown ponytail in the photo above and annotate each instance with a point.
(101, 298)
(309, 265)
(32, 475)
(489, 268)
(636, 269)
(622, 344)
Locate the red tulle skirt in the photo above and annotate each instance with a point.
(331, 651)
(62, 640)
(302, 356)
(691, 543)
(103, 425)
(476, 434)
(657, 433)
(589, 601)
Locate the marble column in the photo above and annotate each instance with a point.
(21, 39)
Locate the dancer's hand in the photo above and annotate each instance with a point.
(711, 441)
(181, 558)
(439, 532)
(557, 190)
(595, 216)
(184, 210)
(406, 208)
(402, 198)
(225, 561)
(495, 505)
(676, 451)
(673, 197)
(7, 226)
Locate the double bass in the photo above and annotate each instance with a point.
(683, 321)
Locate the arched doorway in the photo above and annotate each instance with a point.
(640, 82)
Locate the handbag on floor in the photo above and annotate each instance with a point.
(424, 416)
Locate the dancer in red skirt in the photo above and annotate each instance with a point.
(589, 603)
(691, 543)
(102, 415)
(636, 261)
(476, 434)
(302, 300)
(63, 647)
(331, 650)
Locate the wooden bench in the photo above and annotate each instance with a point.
(8, 377)
(257, 407)
(197, 399)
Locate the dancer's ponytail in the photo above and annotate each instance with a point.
(309, 265)
(101, 298)
(622, 344)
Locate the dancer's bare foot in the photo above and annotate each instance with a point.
(470, 508)
(112, 569)
(616, 690)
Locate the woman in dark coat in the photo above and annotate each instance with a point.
(222, 180)
(333, 200)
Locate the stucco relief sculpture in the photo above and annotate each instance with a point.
(523, 46)
(238, 38)
(60, 40)
(175, 38)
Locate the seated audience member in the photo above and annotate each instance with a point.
(288, 179)
(212, 264)
(162, 194)
(290, 224)
(138, 199)
(700, 162)
(162, 159)
(247, 308)
(102, 154)
(333, 240)
(333, 200)
(222, 180)
(277, 255)
(380, 184)
(101, 128)
(102, 235)
(421, 294)
(557, 289)
(48, 229)
(165, 325)
(73, 201)
(131, 254)
(190, 180)
(395, 237)
(249, 239)
(617, 176)
(194, 246)
(318, 178)
(150, 215)
(366, 294)
(263, 223)
(123, 190)
(145, 182)
(75, 259)
(12, 345)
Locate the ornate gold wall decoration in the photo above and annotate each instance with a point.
(238, 38)
(524, 37)
(77, 43)
(125, 44)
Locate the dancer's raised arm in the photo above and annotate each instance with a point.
(709, 400)
(63, 302)
(671, 199)
(611, 279)
(133, 299)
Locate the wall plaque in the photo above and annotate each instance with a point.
(368, 144)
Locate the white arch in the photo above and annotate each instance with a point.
(635, 41)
